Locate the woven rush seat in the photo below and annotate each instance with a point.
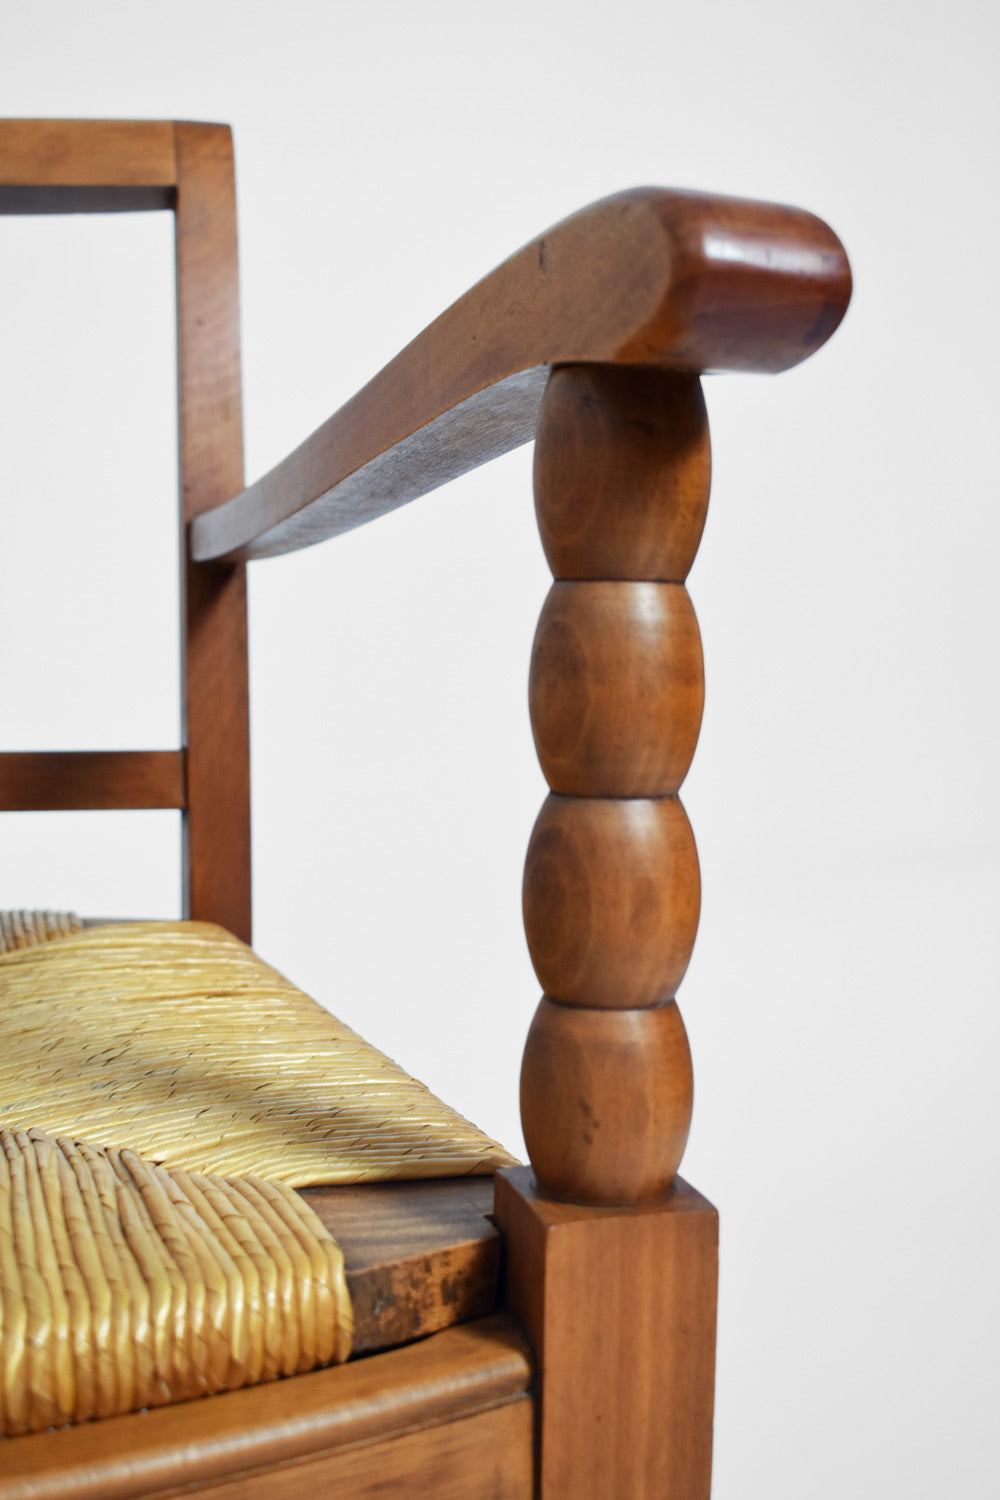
(124, 1285)
(26, 929)
(173, 1259)
(174, 1040)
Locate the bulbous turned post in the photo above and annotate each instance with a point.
(611, 882)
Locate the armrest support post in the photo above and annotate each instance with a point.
(611, 887)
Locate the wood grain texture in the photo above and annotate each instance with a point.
(648, 277)
(86, 166)
(214, 647)
(616, 688)
(622, 472)
(606, 1101)
(211, 411)
(455, 1375)
(419, 1256)
(216, 829)
(54, 781)
(621, 1310)
(486, 1457)
(612, 894)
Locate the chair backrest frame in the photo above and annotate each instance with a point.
(89, 166)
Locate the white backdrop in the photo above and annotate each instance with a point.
(842, 1001)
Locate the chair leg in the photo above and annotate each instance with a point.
(620, 1305)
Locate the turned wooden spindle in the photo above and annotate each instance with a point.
(612, 892)
(611, 885)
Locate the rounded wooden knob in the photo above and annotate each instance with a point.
(612, 894)
(616, 688)
(606, 1101)
(623, 468)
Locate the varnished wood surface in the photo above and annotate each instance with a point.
(54, 781)
(419, 1256)
(92, 166)
(217, 730)
(616, 688)
(455, 1375)
(216, 721)
(612, 894)
(606, 1101)
(647, 277)
(87, 153)
(208, 322)
(620, 1307)
(486, 1457)
(623, 469)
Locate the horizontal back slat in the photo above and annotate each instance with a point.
(67, 780)
(87, 153)
(86, 166)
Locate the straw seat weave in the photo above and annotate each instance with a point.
(125, 1285)
(26, 929)
(174, 1040)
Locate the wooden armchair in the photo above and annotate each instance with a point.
(587, 1368)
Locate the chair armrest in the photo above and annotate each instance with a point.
(647, 277)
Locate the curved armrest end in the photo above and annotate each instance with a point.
(754, 286)
(682, 280)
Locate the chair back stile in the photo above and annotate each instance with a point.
(216, 857)
(57, 166)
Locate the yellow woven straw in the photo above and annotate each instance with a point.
(119, 1291)
(173, 1039)
(26, 929)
